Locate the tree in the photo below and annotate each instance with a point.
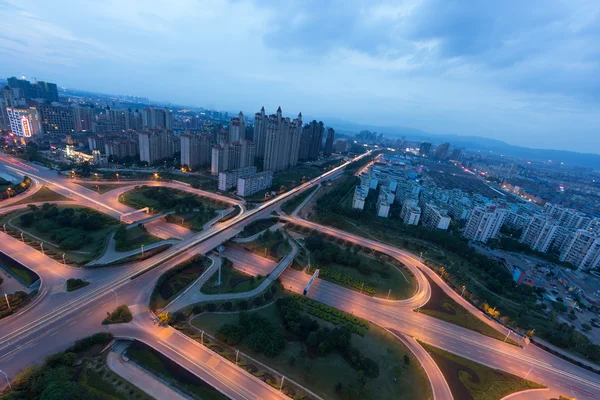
(27, 219)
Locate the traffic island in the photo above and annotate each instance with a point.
(443, 307)
(469, 380)
(74, 284)
(315, 350)
(119, 316)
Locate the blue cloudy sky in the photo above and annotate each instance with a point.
(527, 72)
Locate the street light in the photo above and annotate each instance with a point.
(8, 191)
(7, 380)
(237, 353)
(42, 247)
(64, 262)
(142, 250)
(463, 291)
(527, 374)
(4, 226)
(117, 177)
(116, 297)
(202, 337)
(22, 239)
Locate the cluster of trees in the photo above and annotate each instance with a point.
(57, 377)
(120, 315)
(260, 334)
(66, 226)
(168, 198)
(326, 253)
(322, 340)
(13, 189)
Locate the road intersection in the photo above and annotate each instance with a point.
(57, 319)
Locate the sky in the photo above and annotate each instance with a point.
(526, 72)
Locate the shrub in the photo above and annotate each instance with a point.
(120, 315)
(243, 305)
(211, 307)
(228, 306)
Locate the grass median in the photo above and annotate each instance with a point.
(313, 362)
(469, 380)
(441, 306)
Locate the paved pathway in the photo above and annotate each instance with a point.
(111, 255)
(138, 377)
(272, 276)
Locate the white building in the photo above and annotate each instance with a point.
(411, 213)
(254, 183)
(383, 203)
(484, 223)
(583, 250)
(539, 233)
(228, 180)
(219, 159)
(434, 218)
(360, 195)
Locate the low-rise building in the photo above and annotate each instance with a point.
(254, 183)
(228, 180)
(360, 195)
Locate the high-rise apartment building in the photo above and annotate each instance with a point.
(24, 122)
(57, 120)
(540, 233)
(282, 142)
(410, 213)
(328, 149)
(425, 149)
(195, 149)
(156, 145)
(84, 117)
(237, 128)
(219, 159)
(310, 141)
(120, 148)
(484, 223)
(260, 132)
(157, 118)
(441, 153)
(434, 218)
(583, 250)
(37, 90)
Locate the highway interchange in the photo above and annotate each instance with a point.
(55, 319)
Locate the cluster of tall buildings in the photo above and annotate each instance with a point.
(574, 235)
(442, 152)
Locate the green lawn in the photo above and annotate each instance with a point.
(272, 245)
(258, 226)
(43, 195)
(469, 380)
(168, 370)
(289, 206)
(134, 238)
(380, 277)
(193, 220)
(18, 269)
(441, 306)
(174, 281)
(232, 281)
(396, 380)
(102, 187)
(78, 244)
(167, 199)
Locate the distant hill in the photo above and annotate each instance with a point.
(477, 143)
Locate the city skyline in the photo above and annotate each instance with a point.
(470, 70)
